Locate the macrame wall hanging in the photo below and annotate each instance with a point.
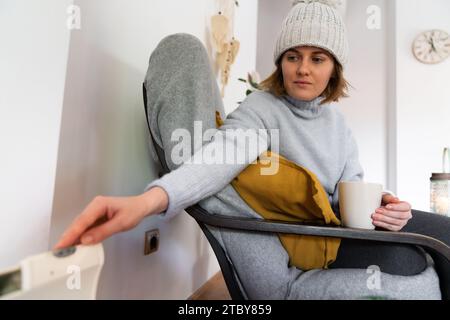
(225, 45)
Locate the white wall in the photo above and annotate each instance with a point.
(270, 17)
(366, 109)
(423, 102)
(103, 144)
(246, 16)
(34, 42)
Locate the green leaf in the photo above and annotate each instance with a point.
(252, 83)
(243, 80)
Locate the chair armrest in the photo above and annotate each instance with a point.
(271, 226)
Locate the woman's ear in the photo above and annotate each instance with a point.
(334, 74)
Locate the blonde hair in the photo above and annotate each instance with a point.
(337, 86)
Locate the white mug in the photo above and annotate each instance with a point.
(358, 200)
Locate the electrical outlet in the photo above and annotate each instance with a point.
(151, 241)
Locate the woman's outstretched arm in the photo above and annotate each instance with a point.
(105, 216)
(207, 172)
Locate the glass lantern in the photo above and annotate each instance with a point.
(440, 188)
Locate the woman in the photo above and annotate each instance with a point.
(310, 55)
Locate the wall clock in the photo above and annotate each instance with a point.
(432, 46)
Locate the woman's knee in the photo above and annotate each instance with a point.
(429, 224)
(391, 258)
(185, 40)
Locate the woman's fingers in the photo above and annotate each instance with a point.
(394, 216)
(388, 220)
(388, 223)
(399, 206)
(398, 215)
(387, 226)
(100, 233)
(93, 212)
(389, 198)
(105, 216)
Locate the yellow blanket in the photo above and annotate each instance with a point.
(292, 194)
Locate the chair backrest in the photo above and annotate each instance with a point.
(225, 264)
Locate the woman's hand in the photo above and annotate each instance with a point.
(105, 216)
(393, 214)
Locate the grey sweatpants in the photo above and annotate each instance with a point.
(184, 91)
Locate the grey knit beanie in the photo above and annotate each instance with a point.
(314, 23)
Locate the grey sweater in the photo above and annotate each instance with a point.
(312, 135)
